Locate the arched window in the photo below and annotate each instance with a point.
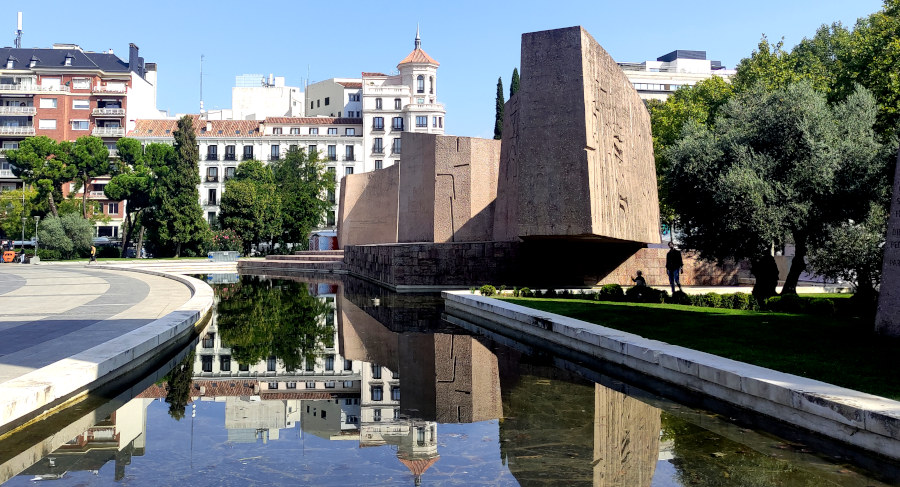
(420, 80)
(431, 83)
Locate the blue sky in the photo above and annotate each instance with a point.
(475, 42)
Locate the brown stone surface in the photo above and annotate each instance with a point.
(577, 156)
(368, 207)
(887, 319)
(626, 439)
(448, 187)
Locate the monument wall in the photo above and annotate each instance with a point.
(448, 187)
(577, 157)
(367, 212)
(887, 319)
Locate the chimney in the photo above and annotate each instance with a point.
(134, 62)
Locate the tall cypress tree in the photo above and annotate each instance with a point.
(514, 84)
(178, 222)
(498, 119)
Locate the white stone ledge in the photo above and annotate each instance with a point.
(91, 368)
(863, 420)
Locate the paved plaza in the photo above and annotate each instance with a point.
(50, 312)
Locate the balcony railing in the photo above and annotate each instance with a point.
(377, 150)
(97, 194)
(230, 157)
(350, 158)
(395, 150)
(332, 157)
(108, 112)
(6, 173)
(31, 87)
(212, 178)
(212, 157)
(108, 132)
(274, 157)
(429, 107)
(210, 202)
(109, 90)
(247, 157)
(18, 110)
(26, 130)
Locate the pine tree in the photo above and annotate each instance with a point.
(498, 119)
(514, 84)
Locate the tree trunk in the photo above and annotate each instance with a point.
(128, 231)
(765, 271)
(798, 265)
(140, 244)
(178, 250)
(84, 191)
(52, 205)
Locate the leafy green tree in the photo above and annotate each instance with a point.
(176, 221)
(262, 318)
(514, 83)
(853, 252)
(767, 173)
(132, 182)
(71, 234)
(91, 159)
(45, 164)
(178, 386)
(52, 236)
(251, 204)
(12, 211)
(303, 184)
(498, 116)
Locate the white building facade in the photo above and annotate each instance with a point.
(656, 80)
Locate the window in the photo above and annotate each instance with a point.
(212, 174)
(271, 363)
(378, 147)
(291, 385)
(312, 104)
(396, 147)
(273, 386)
(348, 171)
(348, 364)
(311, 385)
(225, 363)
(313, 152)
(330, 384)
(10, 63)
(292, 147)
(212, 153)
(229, 173)
(348, 384)
(211, 196)
(376, 371)
(348, 153)
(377, 393)
(79, 104)
(397, 123)
(378, 164)
(318, 103)
(332, 152)
(313, 131)
(330, 219)
(324, 412)
(274, 153)
(68, 61)
(397, 102)
(206, 363)
(276, 131)
(349, 131)
(420, 84)
(378, 123)
(441, 122)
(80, 125)
(229, 153)
(48, 103)
(248, 152)
(353, 97)
(81, 83)
(47, 124)
(244, 367)
(352, 419)
(376, 416)
(395, 375)
(431, 85)
(396, 415)
(434, 121)
(329, 362)
(421, 121)
(327, 101)
(395, 393)
(378, 103)
(332, 130)
(113, 209)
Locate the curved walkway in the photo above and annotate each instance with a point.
(48, 313)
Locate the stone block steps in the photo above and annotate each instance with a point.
(307, 258)
(327, 261)
(320, 252)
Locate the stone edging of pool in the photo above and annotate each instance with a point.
(863, 420)
(40, 392)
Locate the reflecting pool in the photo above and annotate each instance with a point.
(302, 382)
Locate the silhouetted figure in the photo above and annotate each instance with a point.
(673, 266)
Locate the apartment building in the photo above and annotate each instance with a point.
(656, 80)
(223, 144)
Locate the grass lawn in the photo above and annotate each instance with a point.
(841, 351)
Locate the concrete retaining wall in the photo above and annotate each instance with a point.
(865, 421)
(38, 392)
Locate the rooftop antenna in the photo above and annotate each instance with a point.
(18, 42)
(201, 83)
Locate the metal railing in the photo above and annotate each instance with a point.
(212, 157)
(18, 110)
(6, 173)
(108, 132)
(115, 112)
(210, 202)
(27, 130)
(113, 90)
(212, 178)
(377, 150)
(32, 87)
(94, 194)
(350, 158)
(230, 157)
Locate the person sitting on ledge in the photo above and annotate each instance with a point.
(639, 281)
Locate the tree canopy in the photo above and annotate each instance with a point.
(251, 204)
(45, 164)
(302, 183)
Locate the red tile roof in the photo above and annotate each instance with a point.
(373, 75)
(418, 467)
(348, 84)
(313, 121)
(419, 56)
(218, 128)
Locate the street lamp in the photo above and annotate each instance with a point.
(36, 219)
(24, 221)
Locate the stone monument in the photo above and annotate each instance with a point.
(887, 319)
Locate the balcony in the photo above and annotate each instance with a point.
(18, 110)
(6, 173)
(25, 130)
(97, 194)
(424, 107)
(212, 157)
(230, 157)
(109, 90)
(377, 150)
(349, 158)
(108, 132)
(108, 112)
(210, 202)
(33, 88)
(247, 157)
(332, 157)
(212, 179)
(274, 157)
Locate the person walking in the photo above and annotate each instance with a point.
(673, 266)
(93, 255)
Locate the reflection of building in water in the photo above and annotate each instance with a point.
(415, 440)
(119, 437)
(626, 439)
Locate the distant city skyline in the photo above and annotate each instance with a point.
(475, 42)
